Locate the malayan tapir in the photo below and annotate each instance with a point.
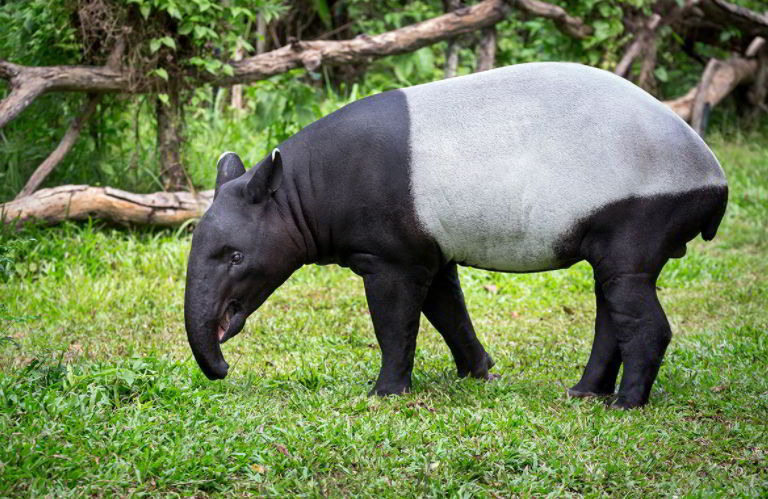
(526, 168)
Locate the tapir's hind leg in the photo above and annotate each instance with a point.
(445, 308)
(627, 243)
(643, 333)
(628, 282)
(599, 377)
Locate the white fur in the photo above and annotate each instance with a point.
(504, 162)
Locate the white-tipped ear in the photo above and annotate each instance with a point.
(222, 157)
(267, 177)
(229, 167)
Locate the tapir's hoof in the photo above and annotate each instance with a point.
(574, 393)
(623, 404)
(385, 391)
(483, 373)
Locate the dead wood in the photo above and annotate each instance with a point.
(639, 45)
(720, 78)
(83, 201)
(485, 52)
(29, 82)
(570, 25)
(53, 159)
(363, 48)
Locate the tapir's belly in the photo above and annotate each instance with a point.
(505, 163)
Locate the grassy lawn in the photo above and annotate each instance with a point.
(99, 392)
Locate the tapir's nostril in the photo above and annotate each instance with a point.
(232, 313)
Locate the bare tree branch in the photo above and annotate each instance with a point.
(311, 54)
(637, 46)
(47, 166)
(28, 83)
(572, 26)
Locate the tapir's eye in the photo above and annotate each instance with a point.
(237, 258)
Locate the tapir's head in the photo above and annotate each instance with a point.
(242, 251)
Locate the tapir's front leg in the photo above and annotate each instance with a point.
(445, 308)
(395, 296)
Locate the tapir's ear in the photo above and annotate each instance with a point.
(229, 167)
(266, 179)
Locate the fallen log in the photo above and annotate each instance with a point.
(83, 201)
(718, 80)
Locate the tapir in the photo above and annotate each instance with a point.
(526, 168)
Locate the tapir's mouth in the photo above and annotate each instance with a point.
(231, 321)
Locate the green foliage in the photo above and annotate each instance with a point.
(10, 251)
(39, 32)
(196, 31)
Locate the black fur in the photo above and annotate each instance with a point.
(627, 243)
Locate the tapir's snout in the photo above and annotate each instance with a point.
(203, 336)
(217, 370)
(203, 320)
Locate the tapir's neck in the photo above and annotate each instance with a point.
(347, 182)
(293, 201)
(306, 199)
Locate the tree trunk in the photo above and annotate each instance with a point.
(759, 90)
(646, 80)
(715, 85)
(237, 90)
(485, 52)
(261, 29)
(169, 136)
(452, 49)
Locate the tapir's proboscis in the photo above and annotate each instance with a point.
(526, 168)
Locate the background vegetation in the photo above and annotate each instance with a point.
(166, 37)
(99, 393)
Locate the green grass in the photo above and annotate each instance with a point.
(99, 392)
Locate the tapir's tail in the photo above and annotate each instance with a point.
(709, 229)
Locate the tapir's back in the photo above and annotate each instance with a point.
(504, 163)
